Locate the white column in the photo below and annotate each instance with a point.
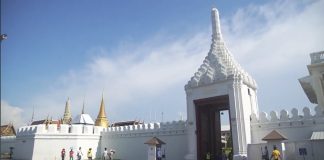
(191, 128)
(240, 111)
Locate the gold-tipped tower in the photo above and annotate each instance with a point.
(102, 118)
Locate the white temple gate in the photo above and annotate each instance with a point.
(219, 84)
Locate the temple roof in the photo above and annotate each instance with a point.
(273, 136)
(7, 130)
(319, 135)
(126, 123)
(219, 64)
(83, 119)
(154, 141)
(45, 121)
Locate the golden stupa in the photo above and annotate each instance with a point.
(102, 118)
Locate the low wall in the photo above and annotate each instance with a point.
(128, 141)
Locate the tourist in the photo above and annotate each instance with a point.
(71, 154)
(89, 154)
(208, 156)
(224, 157)
(159, 154)
(230, 155)
(63, 154)
(265, 154)
(275, 154)
(105, 155)
(79, 154)
(110, 154)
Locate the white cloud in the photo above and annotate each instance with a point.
(287, 33)
(139, 79)
(130, 80)
(273, 43)
(11, 114)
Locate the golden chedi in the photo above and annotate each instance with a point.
(102, 118)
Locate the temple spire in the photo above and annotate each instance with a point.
(217, 34)
(102, 119)
(82, 108)
(32, 118)
(219, 64)
(67, 113)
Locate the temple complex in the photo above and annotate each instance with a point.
(220, 84)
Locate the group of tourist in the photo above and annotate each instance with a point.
(105, 156)
(275, 155)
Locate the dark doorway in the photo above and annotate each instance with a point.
(208, 112)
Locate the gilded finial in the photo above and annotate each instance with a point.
(101, 118)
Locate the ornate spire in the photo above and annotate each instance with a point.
(217, 34)
(67, 113)
(219, 64)
(101, 118)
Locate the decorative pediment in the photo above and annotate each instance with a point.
(219, 64)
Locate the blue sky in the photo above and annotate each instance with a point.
(142, 53)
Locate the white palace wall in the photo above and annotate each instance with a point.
(41, 143)
(128, 141)
(294, 126)
(6, 143)
(297, 128)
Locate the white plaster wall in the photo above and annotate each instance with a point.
(314, 150)
(24, 148)
(39, 143)
(129, 144)
(50, 146)
(7, 142)
(288, 125)
(129, 148)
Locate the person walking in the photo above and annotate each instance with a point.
(89, 154)
(105, 155)
(265, 154)
(63, 154)
(71, 154)
(79, 154)
(275, 154)
(224, 156)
